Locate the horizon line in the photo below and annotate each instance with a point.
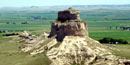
(65, 5)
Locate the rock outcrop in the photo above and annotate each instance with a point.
(75, 50)
(69, 43)
(30, 41)
(71, 26)
(69, 14)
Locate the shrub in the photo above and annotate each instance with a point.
(14, 23)
(105, 40)
(125, 42)
(3, 31)
(7, 23)
(24, 22)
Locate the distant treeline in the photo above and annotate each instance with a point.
(39, 18)
(96, 15)
(112, 41)
(10, 34)
(15, 23)
(10, 23)
(43, 17)
(121, 19)
(4, 31)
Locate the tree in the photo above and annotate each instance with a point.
(24, 22)
(7, 23)
(116, 27)
(113, 41)
(110, 27)
(14, 23)
(105, 40)
(125, 42)
(3, 31)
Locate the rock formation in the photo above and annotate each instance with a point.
(69, 44)
(68, 24)
(69, 14)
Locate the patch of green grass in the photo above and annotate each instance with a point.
(40, 60)
(121, 50)
(10, 54)
(117, 34)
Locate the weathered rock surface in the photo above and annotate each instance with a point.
(31, 42)
(69, 14)
(75, 50)
(72, 28)
(69, 44)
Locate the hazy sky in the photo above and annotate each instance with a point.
(21, 3)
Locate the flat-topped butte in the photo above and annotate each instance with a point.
(69, 14)
(68, 24)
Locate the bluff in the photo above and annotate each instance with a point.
(68, 24)
(69, 43)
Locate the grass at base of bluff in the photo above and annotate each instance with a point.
(11, 55)
(120, 50)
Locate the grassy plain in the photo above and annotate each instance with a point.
(120, 50)
(10, 54)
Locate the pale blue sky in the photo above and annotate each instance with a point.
(21, 3)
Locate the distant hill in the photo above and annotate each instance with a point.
(57, 8)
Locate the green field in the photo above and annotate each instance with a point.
(98, 21)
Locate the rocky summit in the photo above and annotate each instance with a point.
(69, 43)
(69, 14)
(68, 24)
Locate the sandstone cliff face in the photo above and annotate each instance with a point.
(69, 44)
(68, 24)
(69, 14)
(74, 28)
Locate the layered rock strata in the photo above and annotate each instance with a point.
(71, 26)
